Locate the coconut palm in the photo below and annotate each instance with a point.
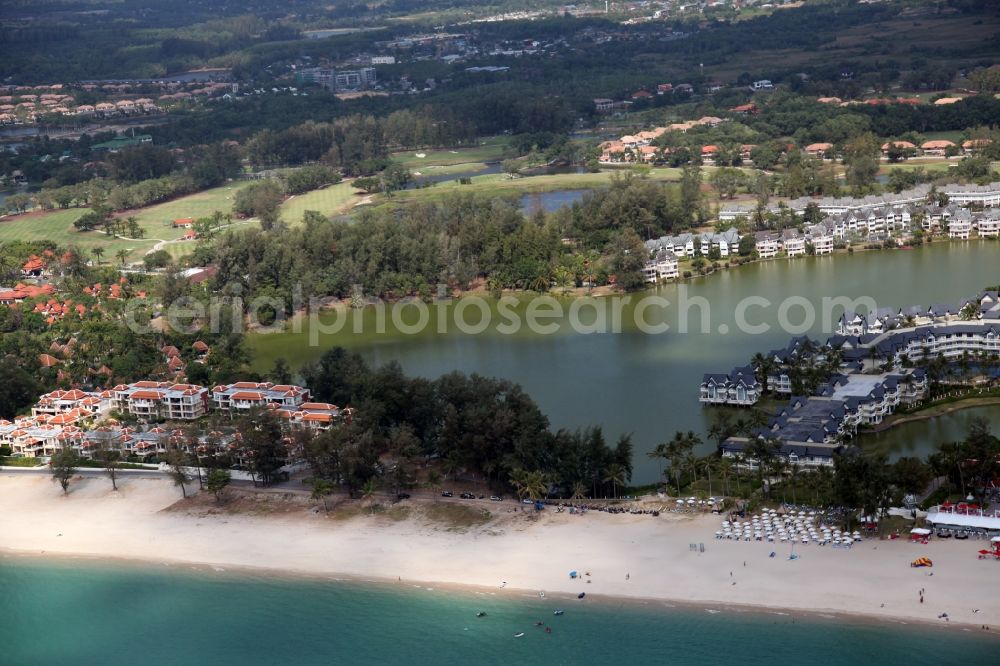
(535, 485)
(321, 489)
(122, 254)
(518, 479)
(615, 475)
(708, 465)
(725, 468)
(368, 494)
(579, 490)
(793, 468)
(98, 252)
(659, 453)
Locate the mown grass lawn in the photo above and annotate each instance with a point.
(498, 183)
(935, 166)
(57, 226)
(156, 221)
(489, 150)
(329, 201)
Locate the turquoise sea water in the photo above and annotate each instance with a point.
(71, 613)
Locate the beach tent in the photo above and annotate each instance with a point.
(920, 531)
(921, 562)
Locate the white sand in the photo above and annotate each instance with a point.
(36, 519)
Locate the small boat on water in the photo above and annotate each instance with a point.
(548, 630)
(519, 634)
(558, 612)
(481, 614)
(538, 623)
(581, 595)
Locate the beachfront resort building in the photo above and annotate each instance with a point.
(663, 266)
(869, 374)
(150, 400)
(244, 396)
(981, 196)
(739, 387)
(67, 417)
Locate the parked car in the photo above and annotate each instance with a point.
(402, 496)
(527, 501)
(467, 496)
(447, 493)
(496, 498)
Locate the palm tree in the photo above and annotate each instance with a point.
(321, 488)
(778, 469)
(368, 493)
(122, 254)
(579, 490)
(451, 467)
(518, 479)
(98, 252)
(725, 467)
(764, 452)
(692, 465)
(659, 452)
(615, 475)
(794, 467)
(708, 464)
(740, 463)
(535, 485)
(541, 283)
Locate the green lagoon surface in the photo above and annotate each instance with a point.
(61, 613)
(647, 384)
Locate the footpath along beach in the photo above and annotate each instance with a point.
(628, 556)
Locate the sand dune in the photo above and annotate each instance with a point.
(536, 555)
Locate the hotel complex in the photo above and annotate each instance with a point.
(873, 219)
(67, 418)
(871, 374)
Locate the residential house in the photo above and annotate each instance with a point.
(604, 105)
(767, 244)
(988, 224)
(820, 150)
(960, 224)
(243, 396)
(663, 266)
(821, 240)
(970, 146)
(793, 242)
(161, 400)
(937, 147)
(901, 145)
(740, 387)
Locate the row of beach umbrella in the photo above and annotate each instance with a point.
(791, 527)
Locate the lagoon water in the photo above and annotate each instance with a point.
(647, 384)
(550, 202)
(66, 612)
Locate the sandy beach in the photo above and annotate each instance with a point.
(626, 555)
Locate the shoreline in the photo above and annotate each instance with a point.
(235, 571)
(632, 558)
(948, 408)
